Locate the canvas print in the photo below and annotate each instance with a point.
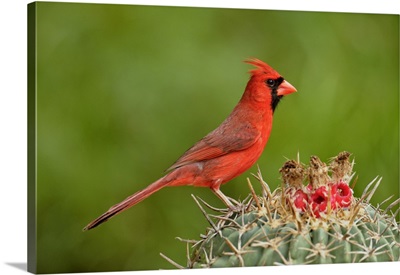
(173, 137)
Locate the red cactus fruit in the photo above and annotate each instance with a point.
(341, 195)
(319, 201)
(300, 200)
(327, 187)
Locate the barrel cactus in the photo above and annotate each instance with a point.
(313, 217)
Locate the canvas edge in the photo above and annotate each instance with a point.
(31, 131)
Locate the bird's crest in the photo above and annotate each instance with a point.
(262, 68)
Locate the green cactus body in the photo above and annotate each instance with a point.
(262, 245)
(306, 221)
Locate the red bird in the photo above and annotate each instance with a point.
(230, 149)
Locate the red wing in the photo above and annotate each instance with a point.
(219, 142)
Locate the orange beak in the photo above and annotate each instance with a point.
(285, 88)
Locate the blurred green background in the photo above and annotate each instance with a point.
(124, 90)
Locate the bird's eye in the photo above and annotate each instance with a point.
(270, 82)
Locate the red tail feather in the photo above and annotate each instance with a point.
(127, 203)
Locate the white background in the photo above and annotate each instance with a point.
(13, 148)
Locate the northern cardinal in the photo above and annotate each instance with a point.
(230, 149)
